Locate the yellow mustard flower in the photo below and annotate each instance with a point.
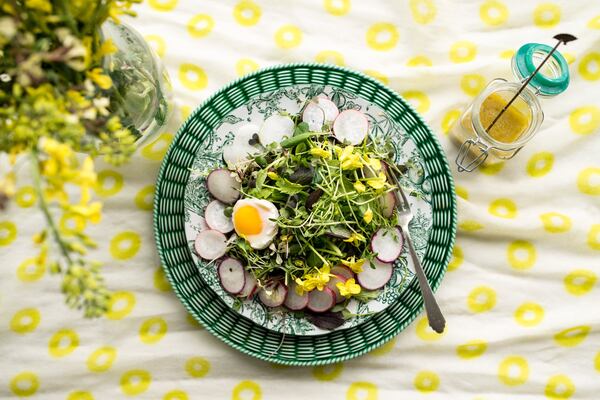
(377, 182)
(107, 47)
(310, 282)
(359, 187)
(354, 265)
(348, 159)
(7, 184)
(355, 238)
(348, 288)
(368, 215)
(320, 153)
(273, 175)
(97, 76)
(41, 5)
(373, 163)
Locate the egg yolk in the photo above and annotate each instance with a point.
(246, 220)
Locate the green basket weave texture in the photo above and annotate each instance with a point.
(238, 331)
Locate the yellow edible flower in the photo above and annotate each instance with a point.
(41, 5)
(273, 175)
(107, 47)
(355, 238)
(359, 187)
(103, 81)
(348, 159)
(373, 163)
(92, 211)
(377, 182)
(320, 153)
(354, 265)
(368, 215)
(7, 184)
(310, 282)
(348, 288)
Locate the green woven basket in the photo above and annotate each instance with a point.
(209, 309)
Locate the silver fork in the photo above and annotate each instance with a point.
(437, 322)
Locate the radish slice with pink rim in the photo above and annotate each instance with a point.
(342, 271)
(276, 128)
(223, 186)
(387, 244)
(293, 300)
(273, 296)
(210, 244)
(351, 127)
(249, 285)
(329, 108)
(332, 284)
(215, 217)
(375, 278)
(232, 275)
(314, 116)
(321, 300)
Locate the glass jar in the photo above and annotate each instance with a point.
(485, 138)
(143, 90)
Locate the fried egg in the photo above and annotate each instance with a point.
(253, 220)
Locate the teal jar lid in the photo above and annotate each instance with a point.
(552, 79)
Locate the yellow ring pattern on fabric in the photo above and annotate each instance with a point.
(424, 331)
(25, 320)
(589, 66)
(594, 23)
(471, 349)
(585, 120)
(573, 336)
(176, 395)
(197, 367)
(491, 169)
(247, 13)
(503, 208)
(102, 359)
(200, 25)
(157, 43)
(426, 381)
(472, 84)
(529, 314)
(546, 15)
(63, 343)
(493, 13)
(330, 57)
(8, 233)
(419, 61)
(521, 254)
(423, 11)
(362, 391)
(244, 66)
(153, 330)
(585, 179)
(109, 183)
(385, 348)
(26, 196)
(540, 164)
(463, 51)
(157, 149)
(457, 258)
(481, 299)
(337, 7)
(288, 36)
(125, 245)
(377, 75)
(24, 384)
(135, 382)
(30, 270)
(449, 119)
(245, 389)
(163, 5)
(144, 199)
(513, 371)
(554, 222)
(461, 192)
(559, 387)
(418, 99)
(382, 36)
(80, 395)
(192, 77)
(580, 281)
(71, 224)
(160, 280)
(469, 226)
(507, 54)
(327, 372)
(120, 305)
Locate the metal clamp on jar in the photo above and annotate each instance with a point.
(506, 115)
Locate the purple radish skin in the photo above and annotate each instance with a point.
(342, 271)
(249, 285)
(375, 278)
(351, 127)
(275, 298)
(293, 300)
(321, 300)
(210, 244)
(223, 186)
(387, 244)
(215, 217)
(232, 275)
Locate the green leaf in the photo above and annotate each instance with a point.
(261, 176)
(288, 187)
(301, 128)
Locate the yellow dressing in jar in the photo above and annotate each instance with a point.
(512, 124)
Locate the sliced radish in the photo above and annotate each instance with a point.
(351, 126)
(223, 186)
(329, 108)
(276, 128)
(332, 284)
(202, 225)
(321, 300)
(232, 275)
(375, 278)
(273, 296)
(388, 204)
(210, 244)
(215, 217)
(314, 116)
(387, 244)
(249, 285)
(293, 300)
(238, 150)
(342, 271)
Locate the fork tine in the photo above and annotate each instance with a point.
(404, 201)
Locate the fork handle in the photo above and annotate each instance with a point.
(437, 322)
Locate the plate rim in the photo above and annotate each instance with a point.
(413, 314)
